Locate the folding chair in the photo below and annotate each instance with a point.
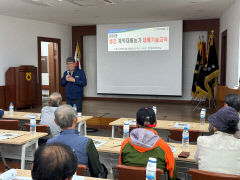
(9, 124)
(196, 174)
(122, 172)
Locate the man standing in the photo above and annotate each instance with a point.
(74, 79)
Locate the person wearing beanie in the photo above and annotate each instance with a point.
(74, 80)
(1, 113)
(144, 142)
(220, 152)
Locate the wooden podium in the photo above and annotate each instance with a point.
(221, 93)
(21, 86)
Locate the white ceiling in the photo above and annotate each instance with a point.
(87, 12)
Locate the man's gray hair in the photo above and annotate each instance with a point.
(65, 115)
(55, 99)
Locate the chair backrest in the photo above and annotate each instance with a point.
(122, 172)
(176, 134)
(82, 170)
(206, 175)
(39, 128)
(9, 124)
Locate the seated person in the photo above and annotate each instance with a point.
(144, 142)
(1, 113)
(54, 161)
(220, 152)
(232, 100)
(47, 114)
(86, 152)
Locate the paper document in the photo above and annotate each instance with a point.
(132, 122)
(78, 177)
(7, 135)
(172, 148)
(29, 115)
(12, 175)
(98, 142)
(181, 125)
(22, 178)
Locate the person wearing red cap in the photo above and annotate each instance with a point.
(144, 142)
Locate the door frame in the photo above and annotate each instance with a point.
(53, 40)
(223, 58)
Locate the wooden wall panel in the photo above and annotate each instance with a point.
(77, 36)
(2, 97)
(204, 25)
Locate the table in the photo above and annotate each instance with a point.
(22, 116)
(113, 145)
(161, 124)
(27, 173)
(24, 140)
(82, 122)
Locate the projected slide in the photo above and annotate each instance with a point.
(138, 39)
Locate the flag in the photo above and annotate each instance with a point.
(211, 79)
(208, 75)
(78, 56)
(197, 69)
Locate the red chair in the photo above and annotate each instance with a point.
(122, 172)
(176, 134)
(196, 174)
(9, 124)
(82, 170)
(39, 128)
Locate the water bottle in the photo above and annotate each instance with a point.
(202, 116)
(32, 125)
(11, 109)
(185, 138)
(155, 110)
(126, 130)
(151, 169)
(75, 108)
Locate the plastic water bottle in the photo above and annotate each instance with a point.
(126, 130)
(151, 169)
(185, 138)
(202, 116)
(75, 108)
(32, 125)
(155, 110)
(11, 109)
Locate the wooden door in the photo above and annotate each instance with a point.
(223, 58)
(57, 65)
(52, 69)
